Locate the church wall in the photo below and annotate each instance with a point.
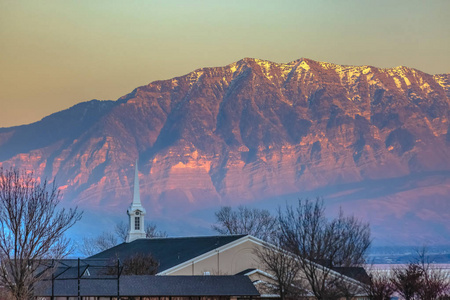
(227, 262)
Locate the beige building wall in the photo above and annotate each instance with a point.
(227, 260)
(230, 260)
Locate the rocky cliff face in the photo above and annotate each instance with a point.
(250, 131)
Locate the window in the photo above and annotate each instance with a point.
(137, 223)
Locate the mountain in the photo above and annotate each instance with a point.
(374, 141)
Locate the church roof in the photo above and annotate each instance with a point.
(146, 285)
(169, 252)
(357, 273)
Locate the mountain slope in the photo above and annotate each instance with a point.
(250, 131)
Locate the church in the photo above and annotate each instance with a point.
(204, 267)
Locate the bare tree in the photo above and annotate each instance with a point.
(91, 246)
(420, 279)
(137, 264)
(436, 281)
(106, 240)
(257, 222)
(284, 267)
(87, 247)
(408, 281)
(31, 230)
(121, 231)
(380, 286)
(5, 294)
(140, 264)
(320, 244)
(151, 231)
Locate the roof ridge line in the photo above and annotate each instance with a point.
(194, 237)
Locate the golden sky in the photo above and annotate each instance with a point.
(54, 54)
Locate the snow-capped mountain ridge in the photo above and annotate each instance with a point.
(253, 130)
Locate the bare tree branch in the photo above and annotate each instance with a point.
(320, 245)
(380, 286)
(91, 246)
(31, 230)
(420, 279)
(285, 268)
(121, 231)
(408, 281)
(151, 231)
(140, 264)
(137, 264)
(256, 222)
(106, 240)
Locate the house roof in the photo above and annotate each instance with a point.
(146, 285)
(357, 273)
(72, 268)
(169, 252)
(245, 271)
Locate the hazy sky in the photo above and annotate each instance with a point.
(54, 54)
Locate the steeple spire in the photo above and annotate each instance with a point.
(136, 212)
(136, 193)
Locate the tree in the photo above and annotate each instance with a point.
(106, 240)
(380, 286)
(284, 267)
(421, 280)
(91, 246)
(436, 281)
(408, 281)
(321, 244)
(137, 264)
(31, 230)
(151, 231)
(121, 231)
(257, 222)
(140, 264)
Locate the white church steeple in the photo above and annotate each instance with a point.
(136, 212)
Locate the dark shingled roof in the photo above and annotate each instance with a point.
(71, 268)
(168, 251)
(146, 285)
(357, 273)
(245, 271)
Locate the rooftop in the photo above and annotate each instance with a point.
(169, 252)
(146, 285)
